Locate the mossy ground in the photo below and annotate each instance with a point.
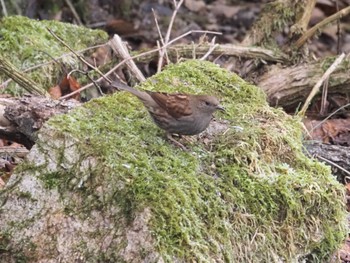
(250, 196)
(24, 42)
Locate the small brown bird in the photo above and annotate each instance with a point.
(182, 114)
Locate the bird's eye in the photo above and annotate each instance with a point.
(207, 103)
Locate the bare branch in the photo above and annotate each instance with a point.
(316, 88)
(120, 48)
(167, 36)
(308, 34)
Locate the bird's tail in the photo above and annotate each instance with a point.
(138, 93)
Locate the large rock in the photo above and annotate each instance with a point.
(102, 184)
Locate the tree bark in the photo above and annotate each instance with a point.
(20, 119)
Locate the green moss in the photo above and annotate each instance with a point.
(250, 195)
(52, 180)
(25, 195)
(8, 253)
(24, 41)
(275, 17)
(5, 239)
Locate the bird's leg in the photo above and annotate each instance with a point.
(170, 137)
(190, 139)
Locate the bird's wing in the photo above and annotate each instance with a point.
(176, 105)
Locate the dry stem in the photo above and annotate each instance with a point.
(137, 56)
(120, 48)
(316, 88)
(167, 36)
(74, 12)
(308, 34)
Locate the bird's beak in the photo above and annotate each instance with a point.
(221, 108)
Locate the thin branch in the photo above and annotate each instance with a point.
(4, 10)
(316, 88)
(137, 56)
(120, 48)
(210, 50)
(20, 152)
(167, 36)
(6, 82)
(21, 79)
(328, 117)
(177, 7)
(74, 12)
(331, 163)
(324, 96)
(78, 56)
(338, 28)
(308, 34)
(159, 48)
(158, 28)
(88, 76)
(160, 36)
(305, 17)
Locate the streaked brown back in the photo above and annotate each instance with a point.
(177, 105)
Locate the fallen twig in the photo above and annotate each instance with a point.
(120, 48)
(137, 56)
(316, 88)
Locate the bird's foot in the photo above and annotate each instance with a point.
(175, 142)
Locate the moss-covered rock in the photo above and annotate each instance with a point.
(105, 185)
(27, 43)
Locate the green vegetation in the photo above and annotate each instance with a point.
(26, 43)
(254, 195)
(248, 194)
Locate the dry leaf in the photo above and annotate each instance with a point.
(335, 131)
(55, 92)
